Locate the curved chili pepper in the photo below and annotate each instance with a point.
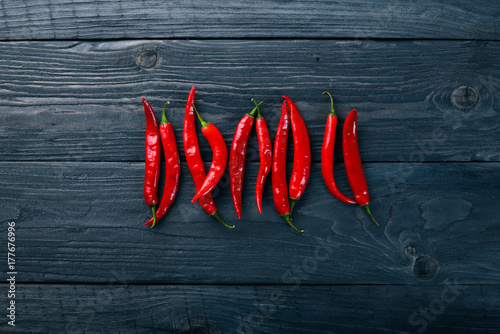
(352, 160)
(219, 157)
(173, 168)
(265, 155)
(153, 156)
(280, 191)
(193, 158)
(301, 154)
(237, 158)
(327, 155)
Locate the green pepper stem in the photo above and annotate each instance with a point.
(153, 207)
(219, 219)
(332, 112)
(251, 113)
(367, 208)
(164, 119)
(257, 107)
(293, 201)
(289, 221)
(203, 123)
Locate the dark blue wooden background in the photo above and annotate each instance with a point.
(425, 79)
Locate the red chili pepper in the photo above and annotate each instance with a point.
(352, 160)
(173, 168)
(280, 191)
(193, 158)
(153, 156)
(301, 154)
(327, 155)
(237, 158)
(265, 155)
(219, 157)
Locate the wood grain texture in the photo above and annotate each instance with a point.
(80, 222)
(425, 78)
(119, 307)
(416, 100)
(55, 19)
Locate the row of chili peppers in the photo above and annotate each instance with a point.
(284, 196)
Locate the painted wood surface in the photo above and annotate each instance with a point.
(54, 19)
(417, 100)
(78, 222)
(121, 307)
(425, 79)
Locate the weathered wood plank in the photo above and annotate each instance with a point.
(123, 308)
(79, 222)
(417, 101)
(54, 19)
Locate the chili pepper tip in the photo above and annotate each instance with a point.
(367, 208)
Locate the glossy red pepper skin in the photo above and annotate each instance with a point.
(237, 158)
(172, 168)
(327, 153)
(352, 161)
(153, 156)
(265, 155)
(193, 158)
(219, 158)
(278, 177)
(301, 153)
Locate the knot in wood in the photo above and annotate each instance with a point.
(146, 58)
(410, 251)
(425, 268)
(463, 98)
